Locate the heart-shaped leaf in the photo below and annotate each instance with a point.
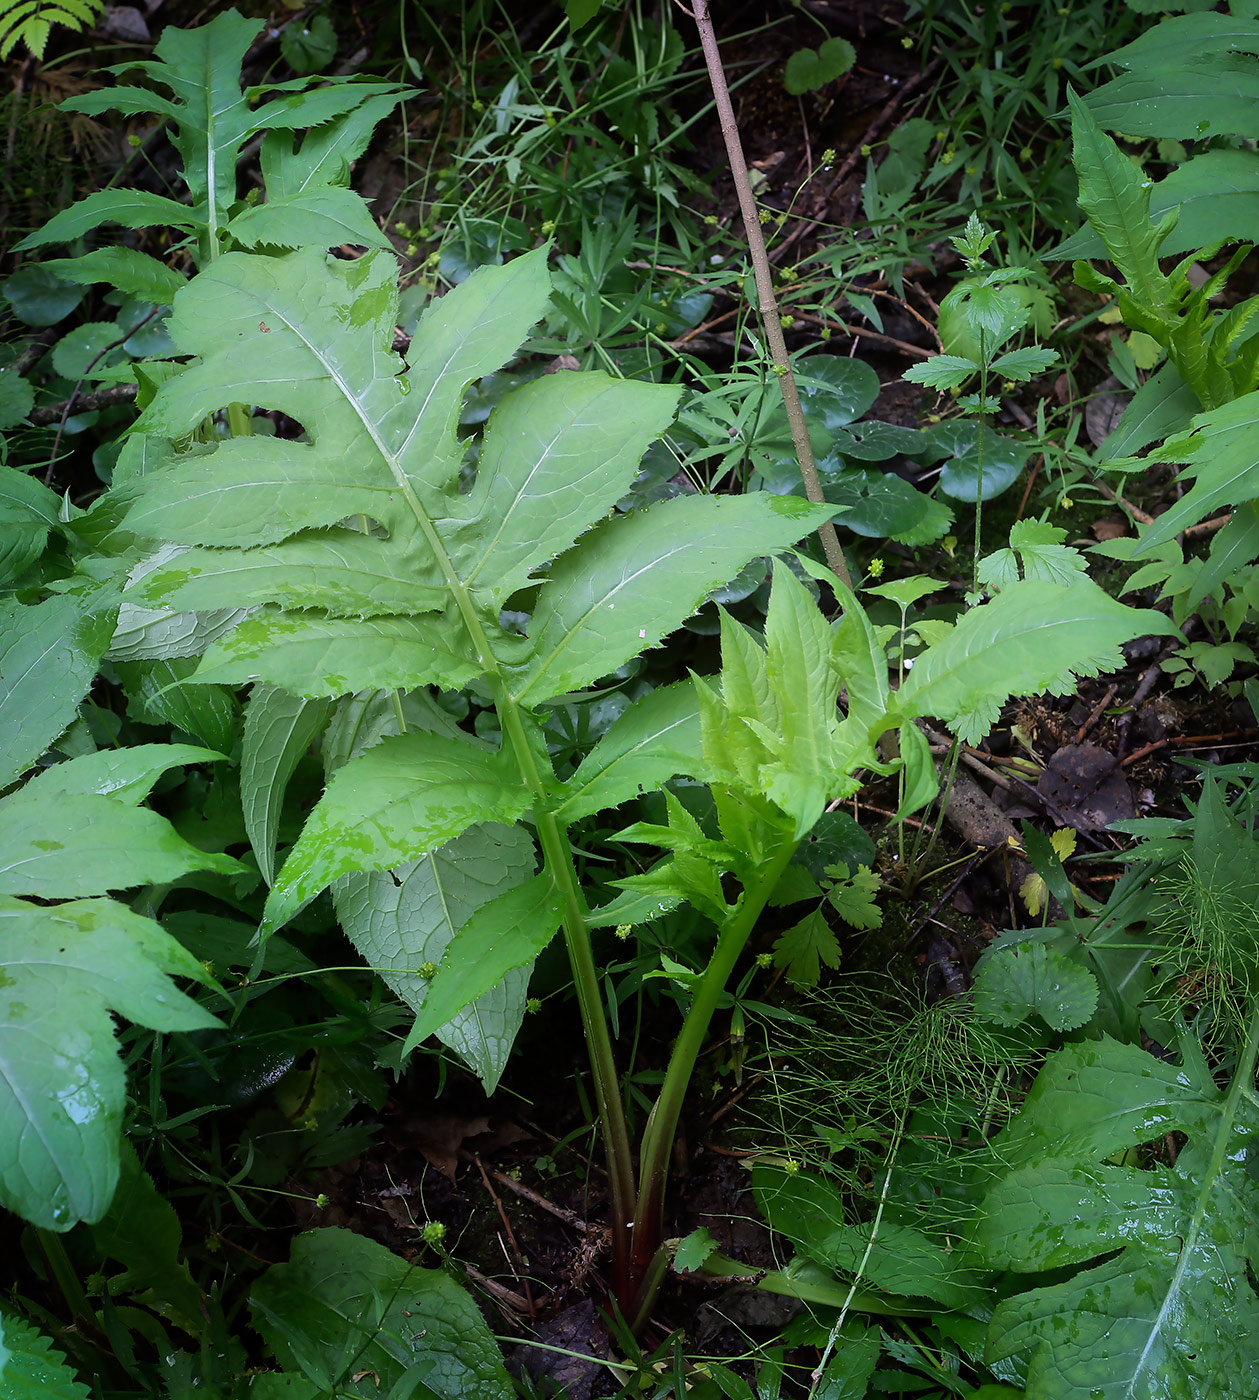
(809, 69)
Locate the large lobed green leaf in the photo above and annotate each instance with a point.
(312, 337)
(1173, 1314)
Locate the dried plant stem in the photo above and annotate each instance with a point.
(765, 288)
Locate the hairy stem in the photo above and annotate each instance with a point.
(663, 1123)
(770, 318)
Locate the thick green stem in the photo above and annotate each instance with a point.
(770, 318)
(663, 1123)
(558, 854)
(553, 837)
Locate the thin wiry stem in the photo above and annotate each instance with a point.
(765, 289)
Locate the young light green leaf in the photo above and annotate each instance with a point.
(634, 579)
(693, 1250)
(48, 659)
(655, 739)
(279, 728)
(806, 687)
(921, 781)
(1116, 198)
(210, 119)
(61, 1082)
(1032, 637)
(1013, 983)
(633, 906)
(344, 1304)
(854, 897)
(862, 666)
(506, 933)
(58, 846)
(402, 919)
(406, 796)
(1038, 546)
(801, 949)
(745, 688)
(1022, 365)
(943, 372)
(664, 887)
(30, 1366)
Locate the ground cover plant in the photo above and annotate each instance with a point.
(428, 664)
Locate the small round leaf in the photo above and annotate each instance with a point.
(1003, 460)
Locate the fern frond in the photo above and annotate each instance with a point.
(30, 22)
